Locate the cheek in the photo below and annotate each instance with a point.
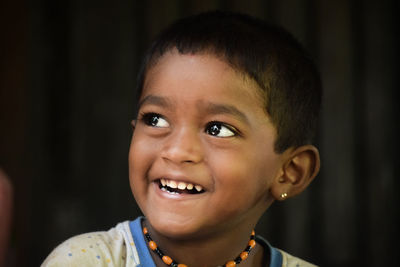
(243, 164)
(245, 176)
(140, 156)
(141, 152)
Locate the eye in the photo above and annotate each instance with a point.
(154, 120)
(219, 129)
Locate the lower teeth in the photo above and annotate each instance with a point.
(171, 192)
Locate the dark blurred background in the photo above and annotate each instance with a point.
(67, 83)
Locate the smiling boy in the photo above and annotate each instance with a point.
(227, 106)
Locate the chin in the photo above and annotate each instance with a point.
(174, 227)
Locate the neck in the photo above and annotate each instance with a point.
(214, 250)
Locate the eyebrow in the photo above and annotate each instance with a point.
(155, 100)
(216, 109)
(211, 108)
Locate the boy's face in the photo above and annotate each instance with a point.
(201, 124)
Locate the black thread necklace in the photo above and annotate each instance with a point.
(170, 262)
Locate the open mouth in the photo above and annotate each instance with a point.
(175, 187)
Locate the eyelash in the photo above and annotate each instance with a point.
(149, 120)
(219, 126)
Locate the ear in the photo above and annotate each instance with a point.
(300, 167)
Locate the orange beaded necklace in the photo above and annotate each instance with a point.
(170, 262)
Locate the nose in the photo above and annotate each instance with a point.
(183, 146)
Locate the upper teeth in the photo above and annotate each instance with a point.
(180, 185)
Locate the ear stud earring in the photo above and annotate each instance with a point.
(284, 195)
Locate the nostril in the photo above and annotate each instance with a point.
(182, 157)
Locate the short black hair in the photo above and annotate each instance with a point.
(266, 53)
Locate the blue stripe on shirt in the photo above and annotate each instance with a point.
(140, 243)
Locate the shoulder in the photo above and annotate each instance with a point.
(113, 247)
(291, 261)
(280, 258)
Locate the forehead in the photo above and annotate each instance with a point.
(187, 72)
